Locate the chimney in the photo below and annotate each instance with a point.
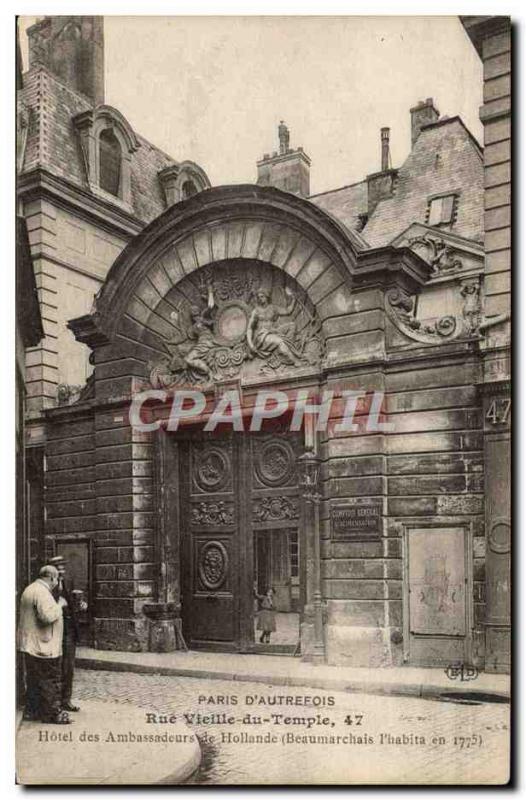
(381, 185)
(384, 136)
(72, 48)
(288, 170)
(422, 114)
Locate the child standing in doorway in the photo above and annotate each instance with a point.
(266, 617)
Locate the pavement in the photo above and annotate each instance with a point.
(105, 744)
(289, 671)
(254, 733)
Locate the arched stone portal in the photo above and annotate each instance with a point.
(256, 286)
(133, 315)
(229, 506)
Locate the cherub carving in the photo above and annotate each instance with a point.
(197, 323)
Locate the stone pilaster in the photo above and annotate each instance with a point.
(491, 36)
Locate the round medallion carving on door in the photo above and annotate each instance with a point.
(213, 565)
(211, 469)
(275, 463)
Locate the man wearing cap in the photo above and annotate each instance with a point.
(64, 591)
(39, 638)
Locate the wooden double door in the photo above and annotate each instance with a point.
(241, 528)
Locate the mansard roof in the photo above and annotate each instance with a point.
(348, 204)
(53, 142)
(445, 158)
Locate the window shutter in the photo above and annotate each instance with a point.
(447, 208)
(435, 211)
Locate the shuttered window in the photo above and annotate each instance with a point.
(441, 210)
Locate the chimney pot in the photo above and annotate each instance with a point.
(384, 137)
(422, 114)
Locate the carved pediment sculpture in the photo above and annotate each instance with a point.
(441, 256)
(242, 325)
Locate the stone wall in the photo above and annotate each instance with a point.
(98, 485)
(71, 257)
(124, 556)
(69, 479)
(428, 469)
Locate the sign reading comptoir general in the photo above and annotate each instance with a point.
(361, 521)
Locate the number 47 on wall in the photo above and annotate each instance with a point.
(499, 411)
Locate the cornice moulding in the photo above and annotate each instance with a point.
(39, 183)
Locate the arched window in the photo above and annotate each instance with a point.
(181, 181)
(189, 188)
(109, 162)
(108, 144)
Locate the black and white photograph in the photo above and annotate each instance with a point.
(263, 400)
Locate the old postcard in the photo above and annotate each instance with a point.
(263, 380)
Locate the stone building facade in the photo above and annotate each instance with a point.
(376, 288)
(77, 221)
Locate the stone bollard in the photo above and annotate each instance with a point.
(164, 627)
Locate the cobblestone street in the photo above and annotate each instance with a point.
(367, 739)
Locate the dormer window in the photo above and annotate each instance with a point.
(181, 181)
(442, 210)
(110, 156)
(108, 143)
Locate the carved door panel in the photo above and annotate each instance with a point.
(210, 571)
(234, 489)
